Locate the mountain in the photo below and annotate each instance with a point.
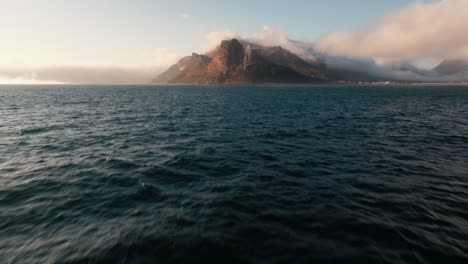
(234, 62)
(196, 64)
(452, 67)
(285, 58)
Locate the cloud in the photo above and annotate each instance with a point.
(214, 38)
(163, 57)
(268, 36)
(25, 80)
(422, 30)
(365, 67)
(78, 75)
(152, 63)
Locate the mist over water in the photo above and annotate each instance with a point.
(253, 174)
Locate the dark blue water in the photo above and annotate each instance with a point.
(329, 174)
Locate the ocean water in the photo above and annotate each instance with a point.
(259, 174)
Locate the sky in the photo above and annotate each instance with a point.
(148, 32)
(133, 39)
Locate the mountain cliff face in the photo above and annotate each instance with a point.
(236, 63)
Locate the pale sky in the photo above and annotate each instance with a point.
(142, 33)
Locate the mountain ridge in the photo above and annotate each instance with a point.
(234, 62)
(240, 62)
(452, 67)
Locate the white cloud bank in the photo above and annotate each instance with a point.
(78, 75)
(422, 30)
(154, 63)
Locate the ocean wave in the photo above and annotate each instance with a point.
(234, 175)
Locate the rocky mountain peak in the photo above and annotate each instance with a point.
(227, 58)
(236, 63)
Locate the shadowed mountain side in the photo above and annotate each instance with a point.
(452, 67)
(285, 58)
(173, 71)
(192, 69)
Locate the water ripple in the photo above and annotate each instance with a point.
(328, 174)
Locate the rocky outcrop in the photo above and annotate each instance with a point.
(227, 59)
(235, 63)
